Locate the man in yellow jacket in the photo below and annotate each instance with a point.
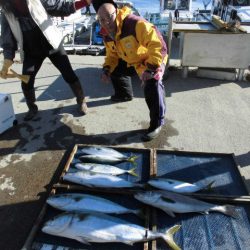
(134, 45)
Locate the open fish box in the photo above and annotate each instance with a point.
(47, 241)
(38, 240)
(205, 231)
(203, 167)
(142, 166)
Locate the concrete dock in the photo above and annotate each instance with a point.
(203, 115)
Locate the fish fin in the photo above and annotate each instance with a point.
(82, 240)
(168, 237)
(132, 172)
(132, 159)
(169, 212)
(119, 238)
(209, 186)
(204, 212)
(231, 211)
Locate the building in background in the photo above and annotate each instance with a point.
(179, 9)
(229, 9)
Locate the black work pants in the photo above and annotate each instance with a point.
(32, 64)
(154, 92)
(121, 79)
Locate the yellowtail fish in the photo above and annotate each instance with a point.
(99, 228)
(107, 159)
(178, 186)
(91, 179)
(172, 203)
(103, 155)
(85, 203)
(104, 169)
(101, 151)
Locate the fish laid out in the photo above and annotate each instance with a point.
(84, 203)
(176, 203)
(178, 186)
(104, 169)
(107, 159)
(104, 155)
(101, 151)
(99, 228)
(91, 179)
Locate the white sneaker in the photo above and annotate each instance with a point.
(151, 135)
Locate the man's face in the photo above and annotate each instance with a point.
(106, 17)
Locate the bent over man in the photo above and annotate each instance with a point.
(134, 45)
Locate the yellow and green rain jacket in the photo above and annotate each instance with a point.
(137, 42)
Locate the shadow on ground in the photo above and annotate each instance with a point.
(17, 219)
(176, 84)
(51, 130)
(91, 83)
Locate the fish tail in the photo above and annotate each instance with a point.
(168, 237)
(209, 186)
(132, 172)
(231, 211)
(132, 159)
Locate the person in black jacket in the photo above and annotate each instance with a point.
(27, 24)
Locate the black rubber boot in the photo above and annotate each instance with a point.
(30, 98)
(80, 98)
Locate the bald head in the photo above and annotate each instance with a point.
(106, 8)
(107, 15)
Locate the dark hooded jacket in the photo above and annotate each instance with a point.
(34, 41)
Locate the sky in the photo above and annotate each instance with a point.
(154, 5)
(146, 5)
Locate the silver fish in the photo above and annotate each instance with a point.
(108, 159)
(104, 169)
(99, 228)
(102, 151)
(84, 203)
(176, 203)
(91, 179)
(178, 186)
